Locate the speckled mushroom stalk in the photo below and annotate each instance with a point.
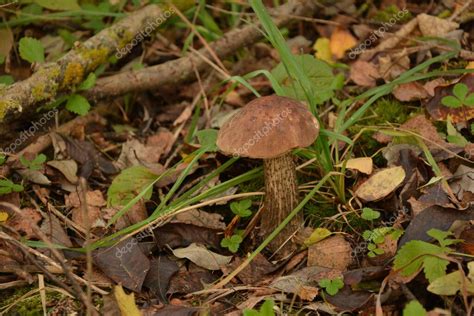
(281, 197)
(269, 128)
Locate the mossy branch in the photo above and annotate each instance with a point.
(22, 98)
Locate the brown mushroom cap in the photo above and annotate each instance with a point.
(268, 127)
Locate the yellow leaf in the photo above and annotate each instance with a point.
(323, 52)
(317, 235)
(362, 164)
(341, 41)
(126, 302)
(381, 184)
(3, 216)
(470, 65)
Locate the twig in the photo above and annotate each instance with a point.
(182, 69)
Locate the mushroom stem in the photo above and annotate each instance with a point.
(281, 197)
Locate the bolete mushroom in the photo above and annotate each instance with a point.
(269, 128)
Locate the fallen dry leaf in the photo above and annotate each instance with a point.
(410, 91)
(201, 219)
(364, 73)
(362, 164)
(323, 51)
(333, 252)
(125, 263)
(440, 112)
(341, 40)
(67, 167)
(434, 26)
(381, 184)
(202, 257)
(126, 302)
(23, 223)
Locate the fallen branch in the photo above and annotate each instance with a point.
(182, 69)
(22, 98)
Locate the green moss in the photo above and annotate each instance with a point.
(73, 75)
(6, 106)
(391, 12)
(94, 57)
(30, 305)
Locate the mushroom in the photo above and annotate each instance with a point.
(269, 128)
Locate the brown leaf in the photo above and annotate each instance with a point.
(52, 227)
(255, 272)
(124, 263)
(440, 112)
(23, 223)
(333, 252)
(201, 219)
(158, 278)
(381, 184)
(433, 217)
(181, 235)
(364, 73)
(341, 40)
(434, 26)
(410, 91)
(190, 280)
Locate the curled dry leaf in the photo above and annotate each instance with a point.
(381, 184)
(67, 167)
(440, 112)
(362, 164)
(364, 73)
(433, 26)
(333, 252)
(341, 40)
(24, 222)
(410, 91)
(201, 219)
(203, 257)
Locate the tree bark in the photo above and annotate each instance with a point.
(281, 197)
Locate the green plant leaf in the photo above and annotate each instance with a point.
(331, 286)
(265, 310)
(31, 50)
(369, 214)
(414, 308)
(469, 101)
(6, 80)
(59, 5)
(208, 138)
(78, 104)
(460, 90)
(88, 83)
(320, 75)
(416, 254)
(232, 243)
(451, 102)
(7, 186)
(241, 208)
(128, 184)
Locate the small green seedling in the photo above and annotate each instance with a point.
(460, 97)
(241, 208)
(7, 186)
(374, 250)
(369, 214)
(3, 158)
(417, 254)
(265, 310)
(232, 243)
(331, 286)
(34, 164)
(414, 308)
